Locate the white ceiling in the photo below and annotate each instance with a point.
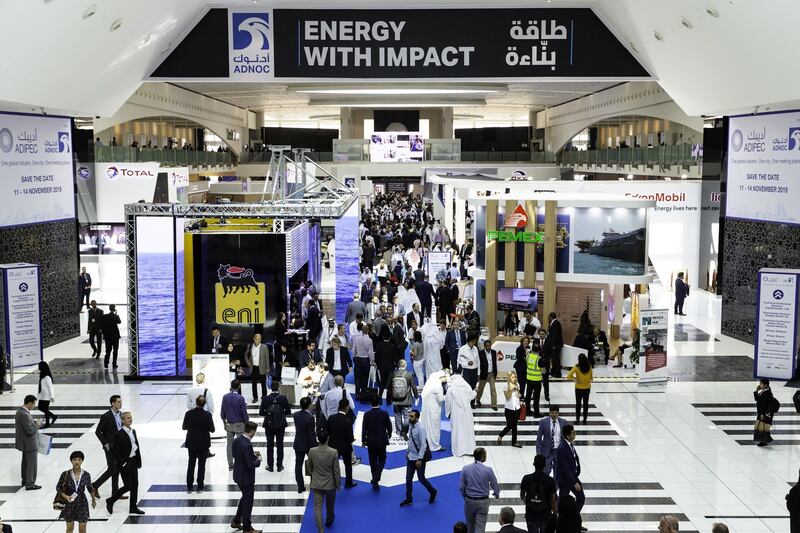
(713, 57)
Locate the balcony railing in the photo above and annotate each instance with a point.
(126, 154)
(680, 154)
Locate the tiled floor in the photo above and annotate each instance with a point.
(644, 453)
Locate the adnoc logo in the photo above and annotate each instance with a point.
(250, 31)
(64, 143)
(737, 139)
(794, 138)
(112, 172)
(6, 140)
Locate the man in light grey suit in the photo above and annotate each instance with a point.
(355, 307)
(25, 433)
(256, 356)
(548, 437)
(323, 465)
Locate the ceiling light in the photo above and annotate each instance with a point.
(658, 36)
(117, 24)
(684, 176)
(712, 12)
(395, 92)
(633, 47)
(402, 104)
(630, 176)
(144, 41)
(89, 11)
(687, 23)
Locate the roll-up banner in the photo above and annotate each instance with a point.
(776, 324)
(264, 44)
(20, 310)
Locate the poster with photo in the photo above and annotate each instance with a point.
(396, 147)
(101, 239)
(609, 241)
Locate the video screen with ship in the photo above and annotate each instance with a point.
(609, 241)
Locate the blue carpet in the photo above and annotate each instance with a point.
(361, 509)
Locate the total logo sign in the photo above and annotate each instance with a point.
(113, 172)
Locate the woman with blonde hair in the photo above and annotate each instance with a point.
(511, 410)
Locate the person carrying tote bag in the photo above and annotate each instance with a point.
(766, 407)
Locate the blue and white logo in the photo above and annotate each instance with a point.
(83, 172)
(737, 140)
(250, 31)
(777, 294)
(6, 140)
(794, 138)
(64, 143)
(23, 287)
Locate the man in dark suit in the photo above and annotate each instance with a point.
(398, 337)
(681, 292)
(244, 475)
(311, 352)
(568, 468)
(338, 358)
(376, 429)
(414, 315)
(313, 322)
(274, 409)
(549, 437)
(506, 521)
(353, 308)
(487, 373)
(256, 356)
(556, 339)
(110, 424)
(424, 292)
(128, 454)
(219, 344)
(304, 439)
(298, 295)
(110, 328)
(453, 341)
(95, 329)
(198, 425)
(84, 288)
(340, 429)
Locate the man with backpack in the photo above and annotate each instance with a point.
(538, 492)
(274, 409)
(403, 391)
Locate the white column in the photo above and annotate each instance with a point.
(448, 209)
(461, 216)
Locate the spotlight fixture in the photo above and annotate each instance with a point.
(712, 12)
(90, 11)
(658, 36)
(117, 24)
(687, 23)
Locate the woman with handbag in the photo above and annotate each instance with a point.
(71, 494)
(765, 411)
(511, 410)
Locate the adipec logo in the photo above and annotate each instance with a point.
(737, 140)
(112, 172)
(250, 31)
(517, 219)
(794, 138)
(64, 143)
(6, 140)
(240, 299)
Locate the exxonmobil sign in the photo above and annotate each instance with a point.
(660, 196)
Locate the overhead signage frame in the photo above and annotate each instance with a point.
(252, 44)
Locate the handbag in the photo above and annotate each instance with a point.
(523, 413)
(44, 443)
(59, 502)
(427, 456)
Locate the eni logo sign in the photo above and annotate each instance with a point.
(239, 298)
(510, 236)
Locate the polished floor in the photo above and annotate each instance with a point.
(645, 453)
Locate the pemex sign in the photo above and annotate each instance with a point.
(515, 221)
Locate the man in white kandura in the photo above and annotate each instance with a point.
(431, 416)
(458, 409)
(433, 341)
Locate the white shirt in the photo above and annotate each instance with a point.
(555, 428)
(134, 447)
(467, 355)
(489, 362)
(46, 394)
(337, 362)
(512, 404)
(254, 354)
(194, 392)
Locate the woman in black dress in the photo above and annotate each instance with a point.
(765, 410)
(72, 485)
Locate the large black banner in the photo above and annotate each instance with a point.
(256, 44)
(448, 43)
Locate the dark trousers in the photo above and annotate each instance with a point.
(274, 437)
(580, 497)
(361, 374)
(257, 377)
(470, 376)
(377, 460)
(96, 342)
(386, 378)
(111, 472)
(347, 459)
(299, 461)
(426, 310)
(546, 385)
(533, 388)
(512, 419)
(244, 511)
(411, 468)
(453, 361)
(130, 483)
(44, 406)
(85, 297)
(581, 397)
(555, 362)
(679, 306)
(111, 344)
(521, 381)
(199, 457)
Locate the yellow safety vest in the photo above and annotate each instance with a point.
(534, 372)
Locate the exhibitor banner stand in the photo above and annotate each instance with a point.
(776, 324)
(20, 313)
(653, 337)
(216, 369)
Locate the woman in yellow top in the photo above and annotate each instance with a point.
(582, 375)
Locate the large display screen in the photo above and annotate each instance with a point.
(515, 299)
(35, 169)
(392, 146)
